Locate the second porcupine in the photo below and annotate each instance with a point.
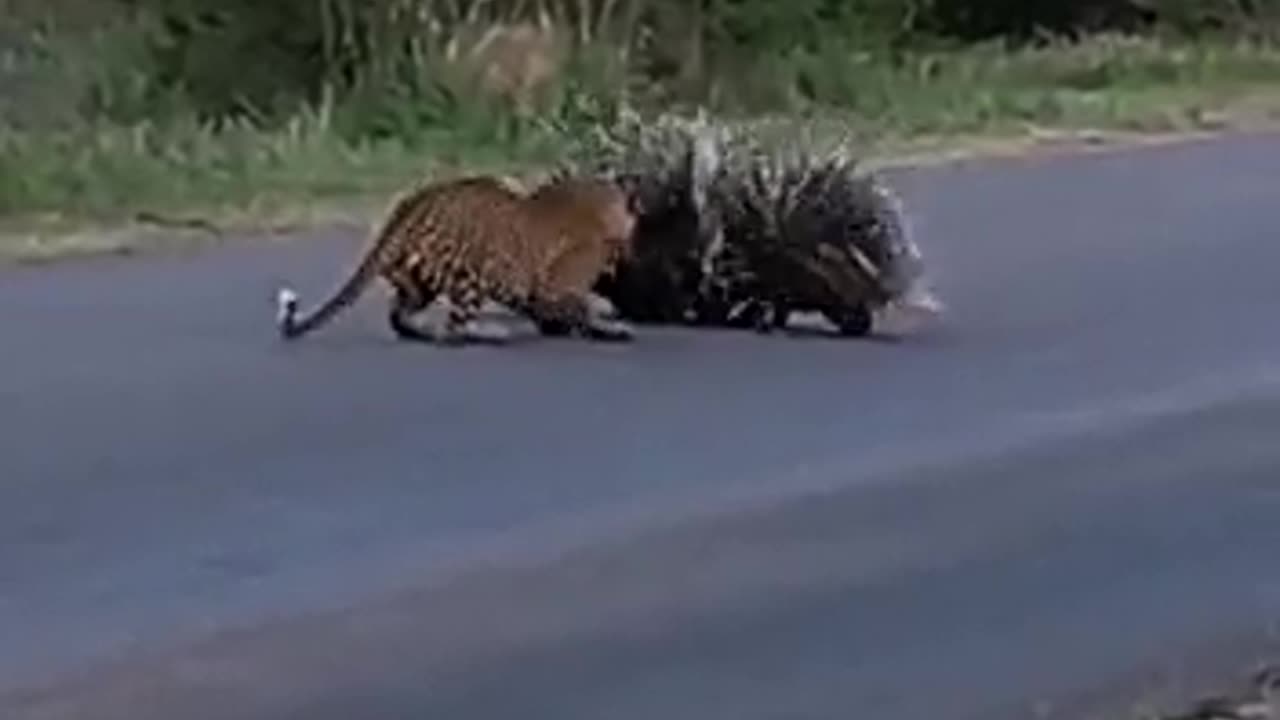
(810, 231)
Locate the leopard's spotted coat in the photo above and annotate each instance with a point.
(478, 238)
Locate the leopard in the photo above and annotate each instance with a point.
(471, 239)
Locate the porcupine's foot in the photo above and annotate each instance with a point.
(856, 321)
(744, 315)
(772, 316)
(709, 313)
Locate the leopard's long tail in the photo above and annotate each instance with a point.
(287, 320)
(291, 326)
(403, 207)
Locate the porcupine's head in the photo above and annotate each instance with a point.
(862, 221)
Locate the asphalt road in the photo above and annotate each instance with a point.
(1068, 492)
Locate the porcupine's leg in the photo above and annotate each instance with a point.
(852, 322)
(749, 305)
(744, 314)
(781, 314)
(711, 309)
(773, 315)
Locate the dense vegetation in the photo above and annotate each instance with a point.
(115, 105)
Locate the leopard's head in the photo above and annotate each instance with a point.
(617, 217)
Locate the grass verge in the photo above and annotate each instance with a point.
(85, 188)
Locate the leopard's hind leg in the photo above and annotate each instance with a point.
(467, 296)
(412, 293)
(405, 306)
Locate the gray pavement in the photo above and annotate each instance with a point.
(1071, 487)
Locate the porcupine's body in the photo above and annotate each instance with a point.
(810, 237)
(730, 233)
(659, 283)
(477, 238)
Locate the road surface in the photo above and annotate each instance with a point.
(1067, 493)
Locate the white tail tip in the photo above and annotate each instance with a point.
(286, 305)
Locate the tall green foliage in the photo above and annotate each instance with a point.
(260, 59)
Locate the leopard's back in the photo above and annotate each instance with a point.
(461, 237)
(478, 239)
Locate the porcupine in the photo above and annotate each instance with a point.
(733, 231)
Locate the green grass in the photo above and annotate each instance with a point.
(56, 183)
(1106, 83)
